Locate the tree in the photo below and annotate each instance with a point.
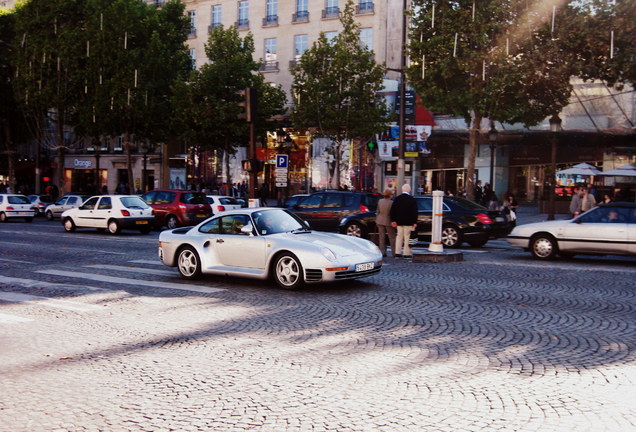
(209, 104)
(336, 87)
(501, 60)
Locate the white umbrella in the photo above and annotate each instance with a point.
(582, 169)
(622, 171)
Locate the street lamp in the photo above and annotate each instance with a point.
(492, 138)
(555, 128)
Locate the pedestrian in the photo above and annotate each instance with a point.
(479, 192)
(487, 195)
(607, 198)
(510, 207)
(587, 200)
(575, 203)
(404, 219)
(383, 222)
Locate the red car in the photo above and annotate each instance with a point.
(175, 208)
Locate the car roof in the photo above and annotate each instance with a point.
(619, 204)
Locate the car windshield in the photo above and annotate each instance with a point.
(194, 198)
(133, 202)
(277, 221)
(18, 199)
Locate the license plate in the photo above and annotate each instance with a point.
(141, 222)
(365, 266)
(201, 216)
(24, 213)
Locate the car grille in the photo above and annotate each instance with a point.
(313, 275)
(352, 274)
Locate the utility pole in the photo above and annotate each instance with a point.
(400, 164)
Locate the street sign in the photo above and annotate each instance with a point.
(281, 184)
(282, 160)
(281, 172)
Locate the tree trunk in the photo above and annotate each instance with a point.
(473, 140)
(10, 156)
(61, 181)
(228, 174)
(129, 163)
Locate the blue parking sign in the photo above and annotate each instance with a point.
(282, 160)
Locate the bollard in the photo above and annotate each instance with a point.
(436, 234)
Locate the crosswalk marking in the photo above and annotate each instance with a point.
(16, 261)
(7, 319)
(13, 297)
(132, 269)
(125, 281)
(153, 262)
(31, 283)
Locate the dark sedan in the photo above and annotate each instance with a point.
(463, 221)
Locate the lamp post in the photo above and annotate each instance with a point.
(555, 128)
(147, 148)
(492, 138)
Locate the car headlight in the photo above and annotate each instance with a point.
(328, 253)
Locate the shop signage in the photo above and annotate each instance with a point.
(82, 164)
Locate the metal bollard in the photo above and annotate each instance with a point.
(436, 234)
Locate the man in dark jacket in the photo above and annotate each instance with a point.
(404, 219)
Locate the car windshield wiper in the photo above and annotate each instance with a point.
(301, 231)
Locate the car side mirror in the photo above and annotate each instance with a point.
(247, 229)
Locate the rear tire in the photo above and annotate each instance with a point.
(354, 229)
(288, 272)
(69, 225)
(543, 247)
(3, 217)
(451, 236)
(113, 227)
(49, 215)
(188, 263)
(172, 222)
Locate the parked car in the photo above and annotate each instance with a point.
(462, 221)
(220, 203)
(293, 200)
(267, 243)
(609, 229)
(175, 208)
(326, 211)
(111, 212)
(40, 202)
(16, 206)
(56, 209)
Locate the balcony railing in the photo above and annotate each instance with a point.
(192, 33)
(270, 20)
(211, 26)
(365, 8)
(300, 16)
(243, 24)
(293, 63)
(269, 65)
(330, 12)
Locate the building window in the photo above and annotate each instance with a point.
(192, 16)
(301, 43)
(271, 13)
(331, 37)
(271, 62)
(216, 16)
(331, 9)
(366, 38)
(365, 7)
(302, 11)
(193, 58)
(243, 15)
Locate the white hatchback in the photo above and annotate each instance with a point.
(112, 212)
(16, 206)
(220, 203)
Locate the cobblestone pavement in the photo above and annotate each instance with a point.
(115, 342)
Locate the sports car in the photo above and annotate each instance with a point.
(267, 243)
(609, 229)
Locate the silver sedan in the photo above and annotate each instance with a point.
(267, 243)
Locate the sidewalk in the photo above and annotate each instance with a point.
(528, 212)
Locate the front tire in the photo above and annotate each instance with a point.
(288, 272)
(69, 225)
(3, 217)
(354, 229)
(451, 236)
(543, 247)
(113, 227)
(188, 263)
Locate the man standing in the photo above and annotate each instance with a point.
(404, 219)
(575, 204)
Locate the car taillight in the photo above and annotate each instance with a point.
(10, 208)
(182, 207)
(484, 218)
(364, 208)
(220, 208)
(125, 212)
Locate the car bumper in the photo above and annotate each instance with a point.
(136, 222)
(194, 218)
(342, 273)
(19, 213)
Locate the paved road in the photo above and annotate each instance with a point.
(95, 335)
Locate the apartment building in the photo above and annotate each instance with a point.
(284, 29)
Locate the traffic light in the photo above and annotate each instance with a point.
(247, 165)
(248, 103)
(372, 146)
(252, 165)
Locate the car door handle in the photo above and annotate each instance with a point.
(220, 241)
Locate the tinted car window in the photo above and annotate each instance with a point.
(90, 204)
(424, 204)
(194, 198)
(332, 200)
(164, 197)
(312, 201)
(211, 227)
(229, 201)
(349, 200)
(134, 202)
(105, 204)
(149, 197)
(233, 224)
(371, 201)
(18, 199)
(468, 204)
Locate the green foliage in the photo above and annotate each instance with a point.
(336, 86)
